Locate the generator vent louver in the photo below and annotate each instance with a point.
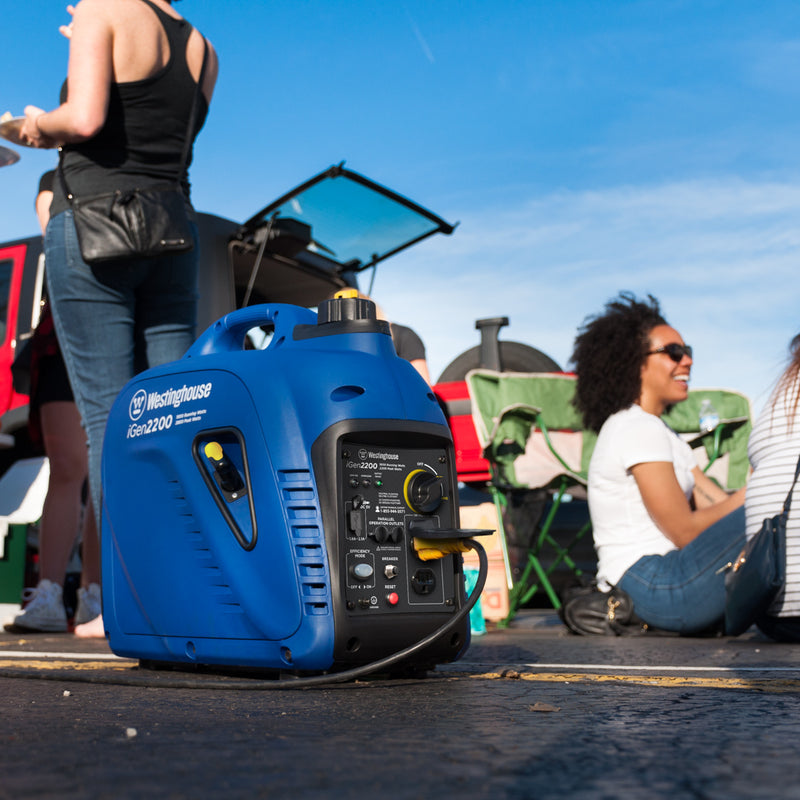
(302, 509)
(218, 587)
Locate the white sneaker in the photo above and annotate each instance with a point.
(89, 604)
(44, 611)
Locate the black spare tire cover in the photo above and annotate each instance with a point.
(514, 357)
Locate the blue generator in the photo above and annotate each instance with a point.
(260, 505)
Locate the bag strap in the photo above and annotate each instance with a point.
(187, 141)
(788, 502)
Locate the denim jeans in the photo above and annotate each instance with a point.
(684, 590)
(113, 321)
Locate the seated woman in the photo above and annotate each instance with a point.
(774, 448)
(662, 529)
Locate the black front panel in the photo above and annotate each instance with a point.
(377, 480)
(385, 491)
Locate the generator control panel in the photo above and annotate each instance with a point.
(386, 493)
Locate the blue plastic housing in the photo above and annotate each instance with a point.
(200, 566)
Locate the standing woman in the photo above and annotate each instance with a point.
(774, 448)
(55, 423)
(662, 529)
(133, 69)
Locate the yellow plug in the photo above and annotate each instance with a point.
(431, 549)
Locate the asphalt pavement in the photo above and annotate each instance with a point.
(528, 712)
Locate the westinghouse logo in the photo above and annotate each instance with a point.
(142, 401)
(137, 405)
(363, 453)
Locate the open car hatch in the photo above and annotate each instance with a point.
(324, 231)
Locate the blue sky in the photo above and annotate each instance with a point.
(584, 148)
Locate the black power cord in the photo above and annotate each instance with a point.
(292, 683)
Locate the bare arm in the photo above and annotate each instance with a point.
(43, 200)
(421, 366)
(212, 72)
(668, 507)
(89, 79)
(706, 492)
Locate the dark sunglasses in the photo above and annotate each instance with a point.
(674, 350)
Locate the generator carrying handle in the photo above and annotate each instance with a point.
(227, 334)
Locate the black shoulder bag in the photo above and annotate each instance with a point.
(136, 223)
(587, 611)
(753, 581)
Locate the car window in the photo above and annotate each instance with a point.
(351, 223)
(350, 219)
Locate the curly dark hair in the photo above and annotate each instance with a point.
(608, 355)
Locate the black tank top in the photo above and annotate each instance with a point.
(141, 142)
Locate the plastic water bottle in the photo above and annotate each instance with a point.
(709, 418)
(476, 620)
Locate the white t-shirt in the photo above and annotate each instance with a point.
(622, 528)
(773, 450)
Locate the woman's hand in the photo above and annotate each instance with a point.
(66, 30)
(30, 132)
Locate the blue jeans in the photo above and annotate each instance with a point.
(113, 321)
(683, 591)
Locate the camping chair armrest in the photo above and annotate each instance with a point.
(526, 414)
(529, 418)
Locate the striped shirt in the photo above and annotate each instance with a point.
(773, 450)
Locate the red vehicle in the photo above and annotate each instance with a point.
(21, 280)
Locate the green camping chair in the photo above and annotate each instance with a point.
(533, 439)
(722, 451)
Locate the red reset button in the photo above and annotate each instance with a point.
(392, 598)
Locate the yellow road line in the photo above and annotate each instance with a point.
(65, 664)
(19, 666)
(737, 670)
(662, 681)
(68, 656)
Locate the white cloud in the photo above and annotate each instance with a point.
(721, 256)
